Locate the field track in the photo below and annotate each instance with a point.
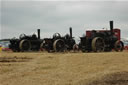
(38, 68)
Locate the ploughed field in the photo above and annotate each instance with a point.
(42, 68)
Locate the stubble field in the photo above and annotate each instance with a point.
(42, 68)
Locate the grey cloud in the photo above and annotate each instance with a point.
(26, 16)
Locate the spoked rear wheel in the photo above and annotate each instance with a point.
(25, 45)
(98, 44)
(59, 45)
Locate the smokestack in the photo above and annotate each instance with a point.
(111, 27)
(38, 32)
(70, 32)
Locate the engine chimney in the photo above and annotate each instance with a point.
(111, 27)
(70, 32)
(38, 32)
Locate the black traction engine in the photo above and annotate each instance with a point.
(26, 43)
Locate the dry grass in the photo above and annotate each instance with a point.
(14, 59)
(117, 78)
(109, 68)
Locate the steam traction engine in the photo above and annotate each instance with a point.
(102, 40)
(58, 43)
(26, 43)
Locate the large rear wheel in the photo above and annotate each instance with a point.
(58, 45)
(25, 45)
(98, 44)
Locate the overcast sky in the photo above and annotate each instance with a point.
(19, 17)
